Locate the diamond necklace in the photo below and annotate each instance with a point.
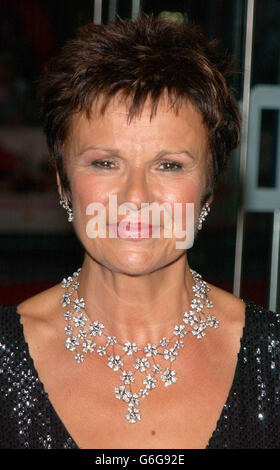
(155, 363)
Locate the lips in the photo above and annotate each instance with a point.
(135, 226)
(135, 230)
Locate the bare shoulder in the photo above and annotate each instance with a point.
(230, 307)
(40, 316)
(42, 305)
(230, 312)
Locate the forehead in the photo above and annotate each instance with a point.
(168, 125)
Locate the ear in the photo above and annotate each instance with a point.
(210, 199)
(58, 183)
(64, 193)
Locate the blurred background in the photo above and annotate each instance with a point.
(238, 248)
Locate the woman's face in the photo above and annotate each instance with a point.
(164, 160)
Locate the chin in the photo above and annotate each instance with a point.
(133, 265)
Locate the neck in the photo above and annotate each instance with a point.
(136, 308)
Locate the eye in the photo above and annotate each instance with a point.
(172, 166)
(103, 164)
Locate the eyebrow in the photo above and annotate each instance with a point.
(160, 154)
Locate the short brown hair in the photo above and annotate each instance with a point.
(140, 58)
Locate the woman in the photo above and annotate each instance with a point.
(140, 111)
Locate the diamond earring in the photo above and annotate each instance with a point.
(204, 212)
(66, 206)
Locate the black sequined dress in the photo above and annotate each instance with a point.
(250, 417)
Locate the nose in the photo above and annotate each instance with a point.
(135, 190)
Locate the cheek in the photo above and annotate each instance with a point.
(86, 189)
(188, 190)
(184, 193)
